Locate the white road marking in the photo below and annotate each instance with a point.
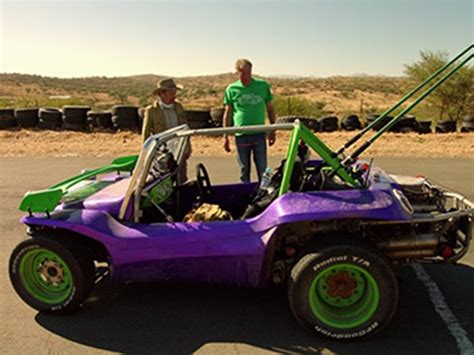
(465, 346)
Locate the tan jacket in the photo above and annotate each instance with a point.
(154, 119)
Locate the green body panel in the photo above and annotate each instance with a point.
(85, 189)
(47, 200)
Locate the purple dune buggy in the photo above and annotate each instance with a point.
(331, 230)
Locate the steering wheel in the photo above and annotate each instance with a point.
(203, 182)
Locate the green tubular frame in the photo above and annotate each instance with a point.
(332, 159)
(399, 103)
(46, 200)
(347, 161)
(300, 132)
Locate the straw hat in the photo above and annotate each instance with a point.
(166, 84)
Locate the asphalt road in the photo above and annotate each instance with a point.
(168, 319)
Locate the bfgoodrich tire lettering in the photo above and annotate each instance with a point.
(343, 291)
(71, 276)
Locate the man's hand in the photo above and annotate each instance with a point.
(226, 144)
(271, 138)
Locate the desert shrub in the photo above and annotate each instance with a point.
(454, 98)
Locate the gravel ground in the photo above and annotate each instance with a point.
(52, 143)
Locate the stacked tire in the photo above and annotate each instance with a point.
(446, 126)
(372, 117)
(50, 118)
(351, 123)
(27, 117)
(141, 117)
(217, 115)
(7, 118)
(405, 124)
(99, 120)
(75, 118)
(198, 118)
(328, 124)
(310, 122)
(467, 124)
(423, 127)
(125, 117)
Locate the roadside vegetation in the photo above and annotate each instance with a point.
(341, 96)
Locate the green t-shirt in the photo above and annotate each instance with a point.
(248, 102)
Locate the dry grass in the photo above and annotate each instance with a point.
(50, 143)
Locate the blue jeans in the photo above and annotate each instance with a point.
(247, 144)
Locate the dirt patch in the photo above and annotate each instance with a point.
(45, 143)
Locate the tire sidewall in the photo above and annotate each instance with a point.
(78, 290)
(313, 264)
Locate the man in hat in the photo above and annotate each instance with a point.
(165, 113)
(246, 101)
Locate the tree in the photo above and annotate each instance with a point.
(453, 98)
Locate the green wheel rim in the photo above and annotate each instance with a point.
(46, 276)
(344, 296)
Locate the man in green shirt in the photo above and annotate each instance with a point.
(246, 101)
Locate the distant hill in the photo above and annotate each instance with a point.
(336, 94)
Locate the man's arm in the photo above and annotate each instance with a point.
(227, 123)
(272, 118)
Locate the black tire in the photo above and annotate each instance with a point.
(61, 263)
(469, 118)
(27, 117)
(75, 117)
(423, 127)
(198, 118)
(75, 111)
(50, 118)
(125, 117)
(7, 118)
(198, 124)
(310, 122)
(370, 290)
(405, 124)
(467, 126)
(99, 119)
(446, 126)
(328, 124)
(351, 123)
(74, 127)
(125, 110)
(372, 117)
(141, 116)
(217, 114)
(123, 123)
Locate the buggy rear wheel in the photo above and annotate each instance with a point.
(343, 291)
(49, 276)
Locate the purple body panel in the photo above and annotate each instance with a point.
(226, 252)
(108, 199)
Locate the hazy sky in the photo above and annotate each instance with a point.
(315, 37)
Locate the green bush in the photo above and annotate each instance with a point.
(452, 99)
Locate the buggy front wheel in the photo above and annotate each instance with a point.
(49, 276)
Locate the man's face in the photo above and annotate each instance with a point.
(244, 73)
(168, 96)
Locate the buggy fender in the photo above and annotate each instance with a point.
(93, 224)
(332, 205)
